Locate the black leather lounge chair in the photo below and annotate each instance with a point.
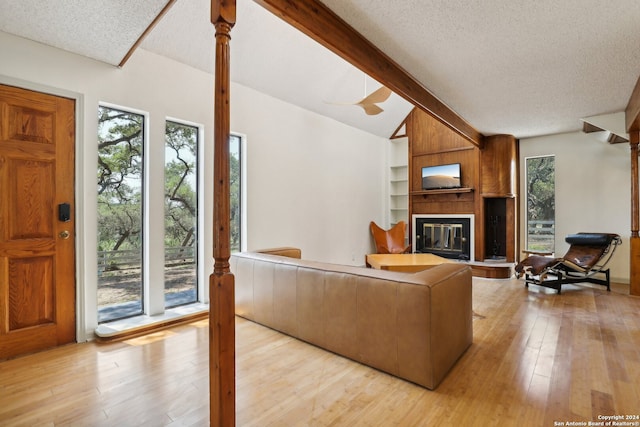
(585, 261)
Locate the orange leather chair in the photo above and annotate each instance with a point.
(390, 241)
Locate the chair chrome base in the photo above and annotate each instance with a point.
(568, 277)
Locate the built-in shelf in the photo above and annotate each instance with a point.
(442, 191)
(398, 181)
(399, 194)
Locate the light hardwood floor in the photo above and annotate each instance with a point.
(538, 359)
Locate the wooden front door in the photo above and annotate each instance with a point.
(37, 249)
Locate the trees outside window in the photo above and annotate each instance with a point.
(235, 152)
(120, 183)
(181, 214)
(541, 203)
(121, 214)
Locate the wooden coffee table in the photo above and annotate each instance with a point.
(405, 262)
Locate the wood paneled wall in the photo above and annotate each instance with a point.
(498, 161)
(487, 174)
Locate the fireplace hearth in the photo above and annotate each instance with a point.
(448, 236)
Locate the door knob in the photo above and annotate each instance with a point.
(64, 234)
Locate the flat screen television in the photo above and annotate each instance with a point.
(441, 177)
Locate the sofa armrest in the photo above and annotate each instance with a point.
(451, 324)
(287, 251)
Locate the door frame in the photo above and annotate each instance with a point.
(82, 334)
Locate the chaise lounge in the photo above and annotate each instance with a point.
(585, 261)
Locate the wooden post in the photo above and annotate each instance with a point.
(222, 369)
(632, 123)
(634, 279)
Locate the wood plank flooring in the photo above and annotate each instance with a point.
(538, 359)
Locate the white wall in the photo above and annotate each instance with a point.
(593, 188)
(158, 87)
(312, 182)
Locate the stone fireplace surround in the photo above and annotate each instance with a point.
(446, 235)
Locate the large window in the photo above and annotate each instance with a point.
(120, 175)
(123, 257)
(541, 203)
(180, 215)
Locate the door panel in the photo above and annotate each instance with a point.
(31, 194)
(37, 272)
(30, 303)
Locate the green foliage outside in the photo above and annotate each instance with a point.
(180, 185)
(120, 210)
(234, 192)
(120, 146)
(120, 159)
(541, 205)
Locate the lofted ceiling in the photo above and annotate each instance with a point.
(506, 66)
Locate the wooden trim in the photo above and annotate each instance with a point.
(222, 363)
(499, 195)
(635, 191)
(632, 112)
(318, 22)
(446, 150)
(441, 191)
(146, 32)
(396, 134)
(491, 270)
(634, 270)
(148, 329)
(634, 280)
(632, 121)
(589, 128)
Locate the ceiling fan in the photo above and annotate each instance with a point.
(370, 102)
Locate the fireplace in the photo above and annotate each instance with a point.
(449, 236)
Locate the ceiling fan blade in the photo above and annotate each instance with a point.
(370, 109)
(379, 95)
(368, 104)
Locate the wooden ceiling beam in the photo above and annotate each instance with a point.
(146, 32)
(325, 27)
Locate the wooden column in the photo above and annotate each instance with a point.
(634, 282)
(632, 123)
(635, 211)
(222, 369)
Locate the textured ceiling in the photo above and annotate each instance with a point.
(511, 66)
(506, 66)
(100, 30)
(270, 56)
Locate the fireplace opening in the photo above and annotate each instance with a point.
(448, 237)
(495, 229)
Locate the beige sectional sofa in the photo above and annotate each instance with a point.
(412, 325)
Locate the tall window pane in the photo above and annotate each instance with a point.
(235, 192)
(120, 172)
(180, 196)
(541, 203)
